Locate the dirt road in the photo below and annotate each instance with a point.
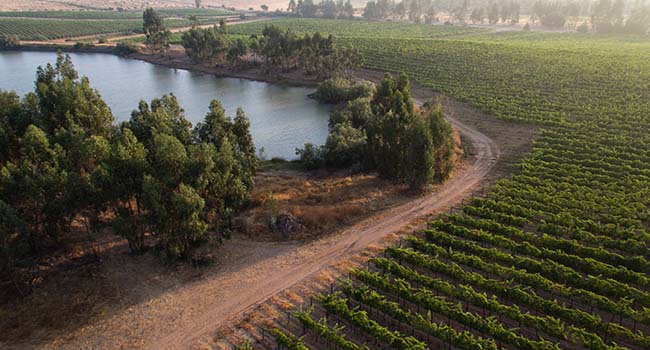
(352, 240)
(181, 317)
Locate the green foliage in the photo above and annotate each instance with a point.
(8, 41)
(207, 45)
(153, 180)
(345, 146)
(337, 90)
(311, 156)
(125, 49)
(385, 134)
(156, 34)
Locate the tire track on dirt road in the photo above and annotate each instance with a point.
(250, 293)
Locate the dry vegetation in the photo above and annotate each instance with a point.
(321, 202)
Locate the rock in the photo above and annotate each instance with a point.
(287, 224)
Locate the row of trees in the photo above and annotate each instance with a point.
(606, 16)
(63, 160)
(414, 10)
(274, 50)
(383, 131)
(507, 12)
(325, 9)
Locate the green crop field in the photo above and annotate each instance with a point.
(45, 29)
(357, 29)
(115, 14)
(555, 256)
(49, 25)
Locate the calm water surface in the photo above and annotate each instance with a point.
(282, 117)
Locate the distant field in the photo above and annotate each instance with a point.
(49, 5)
(48, 25)
(115, 14)
(48, 29)
(347, 28)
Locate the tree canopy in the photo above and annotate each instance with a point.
(155, 179)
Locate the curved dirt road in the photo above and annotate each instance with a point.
(188, 314)
(250, 293)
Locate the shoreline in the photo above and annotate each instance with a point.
(178, 60)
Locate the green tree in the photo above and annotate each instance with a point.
(442, 140)
(157, 35)
(493, 14)
(245, 148)
(34, 186)
(237, 51)
(164, 116)
(292, 6)
(8, 41)
(120, 179)
(205, 45)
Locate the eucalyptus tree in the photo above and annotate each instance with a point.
(156, 34)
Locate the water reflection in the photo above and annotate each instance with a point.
(282, 117)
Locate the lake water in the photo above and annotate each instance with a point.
(282, 117)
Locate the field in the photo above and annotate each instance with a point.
(85, 5)
(357, 29)
(553, 257)
(83, 15)
(49, 25)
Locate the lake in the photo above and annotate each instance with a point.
(282, 117)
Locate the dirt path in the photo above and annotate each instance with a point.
(182, 316)
(353, 240)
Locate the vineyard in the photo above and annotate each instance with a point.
(165, 13)
(555, 256)
(68, 24)
(357, 29)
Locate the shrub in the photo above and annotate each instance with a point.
(345, 146)
(312, 156)
(125, 49)
(8, 41)
(336, 90)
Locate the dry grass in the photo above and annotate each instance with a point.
(323, 203)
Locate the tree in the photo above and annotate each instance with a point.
(264, 8)
(165, 116)
(292, 6)
(442, 140)
(236, 51)
(639, 21)
(244, 148)
(197, 3)
(477, 15)
(205, 45)
(493, 14)
(8, 41)
(345, 146)
(194, 20)
(151, 179)
(348, 9)
(121, 178)
(157, 36)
